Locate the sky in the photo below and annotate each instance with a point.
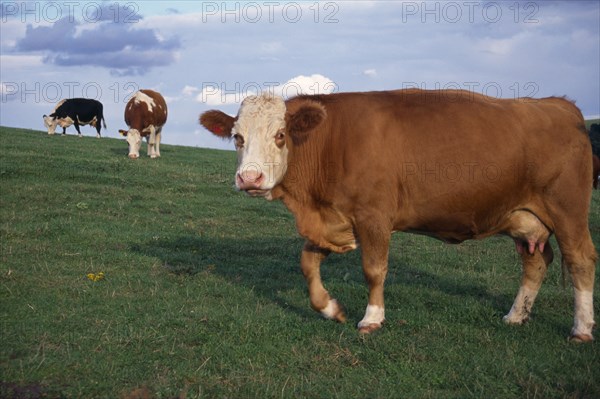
(211, 54)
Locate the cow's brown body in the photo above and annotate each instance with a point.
(452, 165)
(145, 115)
(138, 116)
(449, 164)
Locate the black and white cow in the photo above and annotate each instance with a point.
(75, 111)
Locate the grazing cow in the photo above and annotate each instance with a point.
(596, 168)
(76, 111)
(454, 165)
(145, 114)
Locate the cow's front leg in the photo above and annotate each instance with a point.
(150, 146)
(375, 246)
(310, 262)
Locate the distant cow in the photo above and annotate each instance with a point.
(454, 165)
(596, 168)
(78, 112)
(145, 114)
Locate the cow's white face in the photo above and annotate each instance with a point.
(50, 124)
(134, 139)
(263, 131)
(259, 134)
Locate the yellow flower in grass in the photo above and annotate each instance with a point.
(96, 276)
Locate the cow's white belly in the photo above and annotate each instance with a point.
(65, 122)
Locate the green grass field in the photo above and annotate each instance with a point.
(202, 294)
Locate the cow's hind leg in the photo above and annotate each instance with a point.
(579, 256)
(310, 262)
(98, 126)
(157, 144)
(568, 206)
(531, 240)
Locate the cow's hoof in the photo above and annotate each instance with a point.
(334, 311)
(369, 328)
(152, 156)
(515, 321)
(581, 338)
(340, 317)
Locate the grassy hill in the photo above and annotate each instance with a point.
(202, 294)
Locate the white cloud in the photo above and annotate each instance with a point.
(370, 72)
(189, 90)
(313, 84)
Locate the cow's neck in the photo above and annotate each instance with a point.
(308, 171)
(304, 192)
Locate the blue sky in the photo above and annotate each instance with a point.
(205, 55)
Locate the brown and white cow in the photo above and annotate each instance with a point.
(454, 165)
(145, 114)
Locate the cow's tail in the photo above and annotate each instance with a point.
(103, 122)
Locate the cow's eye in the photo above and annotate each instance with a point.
(239, 141)
(280, 139)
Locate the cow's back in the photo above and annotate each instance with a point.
(145, 109)
(83, 107)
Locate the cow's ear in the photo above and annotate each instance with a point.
(304, 118)
(123, 132)
(218, 123)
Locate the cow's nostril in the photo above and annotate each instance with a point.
(251, 176)
(249, 180)
(133, 156)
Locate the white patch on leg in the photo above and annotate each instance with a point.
(584, 314)
(331, 310)
(373, 315)
(519, 313)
